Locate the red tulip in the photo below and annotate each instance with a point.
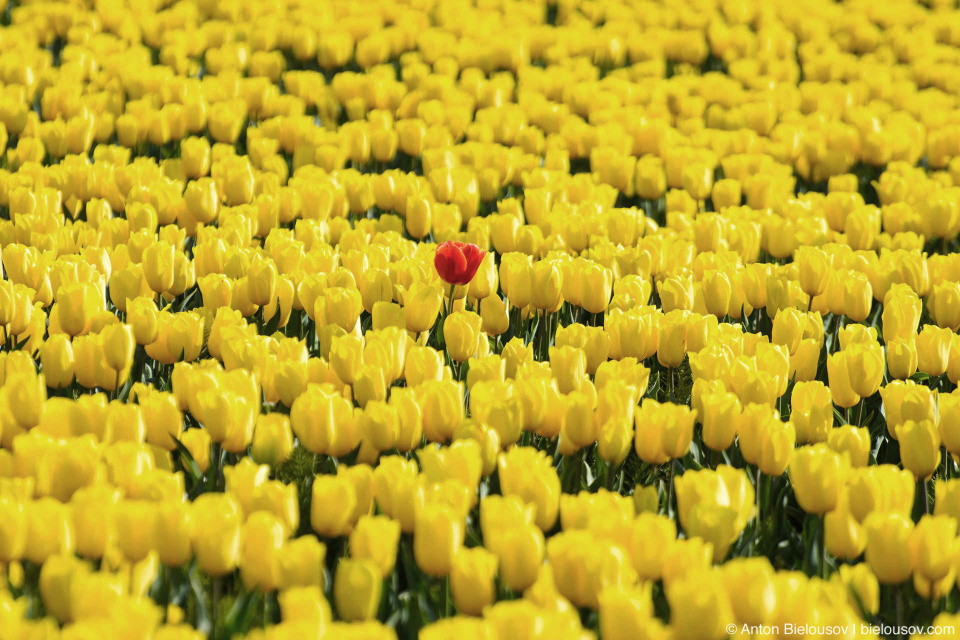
(457, 262)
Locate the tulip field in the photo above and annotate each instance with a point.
(479, 319)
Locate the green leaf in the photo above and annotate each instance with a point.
(839, 416)
(242, 613)
(272, 325)
(426, 611)
(125, 390)
(188, 299)
(203, 623)
(190, 467)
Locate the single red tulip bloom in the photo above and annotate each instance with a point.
(457, 262)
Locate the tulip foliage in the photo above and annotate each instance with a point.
(554, 319)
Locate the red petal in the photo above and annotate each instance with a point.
(474, 256)
(450, 262)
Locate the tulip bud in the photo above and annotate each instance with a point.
(493, 315)
(142, 316)
(901, 314)
(527, 473)
(26, 395)
(516, 279)
(57, 363)
(933, 350)
(388, 314)
(162, 419)
(865, 368)
(699, 607)
(594, 287)
(888, 546)
(173, 527)
(520, 555)
(376, 538)
(262, 541)
(946, 305)
(663, 431)
(197, 442)
(546, 286)
(852, 442)
(675, 293)
(195, 157)
(818, 474)
(158, 266)
(857, 297)
(332, 504)
(412, 133)
(650, 179)
(716, 292)
(442, 406)
(844, 536)
(777, 440)
(813, 266)
(485, 281)
(919, 447)
(375, 288)
(419, 216)
(461, 333)
(272, 440)
(615, 440)
(788, 329)
(262, 281)
(118, 345)
(216, 534)
(726, 193)
(568, 366)
(423, 364)
(340, 306)
(357, 589)
(672, 343)
(902, 358)
(437, 539)
(471, 580)
(76, 305)
(838, 372)
(369, 385)
(422, 304)
(720, 417)
(812, 413)
(933, 548)
(302, 563)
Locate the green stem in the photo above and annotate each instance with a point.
(572, 473)
(670, 489)
(899, 605)
(611, 476)
(926, 496)
(446, 596)
(823, 547)
(216, 453)
(215, 605)
(166, 580)
(757, 488)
